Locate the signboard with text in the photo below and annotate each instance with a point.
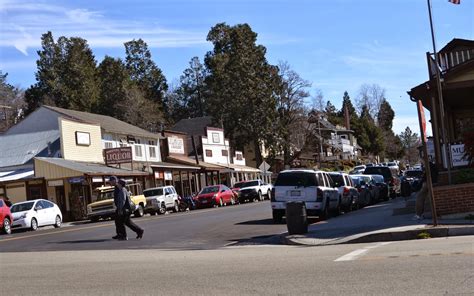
(118, 155)
(176, 145)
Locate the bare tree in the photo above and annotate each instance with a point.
(319, 103)
(372, 96)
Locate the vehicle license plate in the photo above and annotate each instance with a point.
(204, 201)
(295, 193)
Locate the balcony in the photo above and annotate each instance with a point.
(448, 60)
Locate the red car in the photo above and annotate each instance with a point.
(215, 195)
(6, 218)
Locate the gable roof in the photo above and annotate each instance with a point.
(18, 149)
(109, 124)
(193, 126)
(457, 42)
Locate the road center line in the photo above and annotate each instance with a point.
(358, 253)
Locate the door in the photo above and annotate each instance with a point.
(61, 199)
(169, 197)
(41, 213)
(50, 212)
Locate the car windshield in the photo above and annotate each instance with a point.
(246, 184)
(22, 207)
(297, 179)
(378, 178)
(414, 173)
(210, 189)
(153, 192)
(384, 171)
(104, 195)
(337, 179)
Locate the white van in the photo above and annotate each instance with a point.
(315, 188)
(161, 199)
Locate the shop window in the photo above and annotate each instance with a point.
(151, 143)
(215, 138)
(225, 153)
(138, 151)
(109, 145)
(208, 153)
(152, 152)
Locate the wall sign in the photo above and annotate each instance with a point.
(55, 183)
(76, 180)
(176, 145)
(457, 155)
(118, 155)
(215, 138)
(168, 176)
(83, 139)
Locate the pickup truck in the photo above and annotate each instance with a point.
(104, 207)
(254, 190)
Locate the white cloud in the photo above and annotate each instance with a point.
(23, 23)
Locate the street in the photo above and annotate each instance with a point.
(427, 267)
(203, 229)
(226, 251)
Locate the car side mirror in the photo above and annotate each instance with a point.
(222, 191)
(38, 208)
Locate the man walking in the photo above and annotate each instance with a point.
(118, 219)
(124, 211)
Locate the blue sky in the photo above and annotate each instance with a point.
(338, 45)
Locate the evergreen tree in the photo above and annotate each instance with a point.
(114, 81)
(241, 85)
(144, 72)
(189, 97)
(385, 116)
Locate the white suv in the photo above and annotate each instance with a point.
(160, 199)
(314, 188)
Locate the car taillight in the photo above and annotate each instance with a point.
(346, 191)
(272, 197)
(319, 195)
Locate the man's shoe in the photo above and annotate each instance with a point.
(123, 238)
(140, 234)
(116, 236)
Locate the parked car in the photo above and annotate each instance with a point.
(161, 199)
(348, 194)
(414, 179)
(357, 170)
(35, 213)
(252, 190)
(390, 175)
(379, 181)
(215, 195)
(363, 184)
(314, 188)
(6, 218)
(104, 207)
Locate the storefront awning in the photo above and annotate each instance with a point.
(241, 168)
(174, 166)
(191, 161)
(16, 175)
(58, 168)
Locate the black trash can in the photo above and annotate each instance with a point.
(405, 188)
(296, 219)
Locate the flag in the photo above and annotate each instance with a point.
(455, 1)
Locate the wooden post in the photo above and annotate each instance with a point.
(181, 183)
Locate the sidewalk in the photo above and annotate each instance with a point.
(386, 221)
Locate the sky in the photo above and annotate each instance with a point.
(337, 45)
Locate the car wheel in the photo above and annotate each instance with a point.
(162, 209)
(34, 224)
(95, 219)
(232, 200)
(221, 203)
(57, 222)
(260, 196)
(277, 217)
(140, 211)
(7, 229)
(176, 207)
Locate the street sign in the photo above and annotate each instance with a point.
(264, 166)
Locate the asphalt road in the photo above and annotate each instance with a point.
(195, 230)
(442, 266)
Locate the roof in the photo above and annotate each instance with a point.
(193, 126)
(457, 42)
(18, 149)
(88, 168)
(109, 124)
(20, 174)
(241, 168)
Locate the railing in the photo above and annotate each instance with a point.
(448, 60)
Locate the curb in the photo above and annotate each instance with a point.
(434, 232)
